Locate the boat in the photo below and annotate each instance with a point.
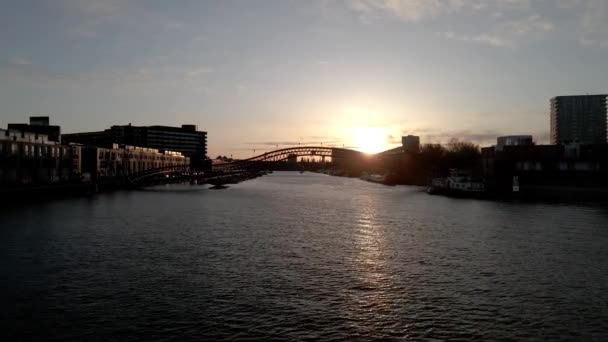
(458, 183)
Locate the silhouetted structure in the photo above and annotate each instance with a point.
(578, 118)
(547, 166)
(117, 162)
(38, 125)
(411, 143)
(185, 139)
(513, 140)
(32, 158)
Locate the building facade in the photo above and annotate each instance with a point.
(122, 161)
(572, 165)
(32, 158)
(513, 140)
(579, 119)
(39, 125)
(185, 139)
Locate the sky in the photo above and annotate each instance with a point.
(260, 74)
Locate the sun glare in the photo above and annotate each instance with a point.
(369, 139)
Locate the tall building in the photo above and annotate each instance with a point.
(578, 118)
(185, 139)
(39, 125)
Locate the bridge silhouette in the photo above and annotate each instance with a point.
(290, 152)
(243, 168)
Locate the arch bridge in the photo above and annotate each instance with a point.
(261, 160)
(244, 168)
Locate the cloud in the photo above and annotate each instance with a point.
(412, 10)
(390, 139)
(499, 23)
(200, 71)
(488, 39)
(480, 137)
(594, 24)
(533, 24)
(20, 61)
(93, 16)
(95, 8)
(507, 34)
(436, 136)
(417, 10)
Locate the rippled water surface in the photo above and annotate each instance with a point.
(302, 256)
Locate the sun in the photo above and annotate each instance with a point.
(369, 139)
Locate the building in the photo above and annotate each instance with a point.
(32, 158)
(116, 162)
(185, 139)
(580, 119)
(572, 165)
(410, 143)
(513, 140)
(39, 125)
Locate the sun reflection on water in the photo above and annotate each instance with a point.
(373, 289)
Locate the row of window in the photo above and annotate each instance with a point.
(101, 155)
(30, 150)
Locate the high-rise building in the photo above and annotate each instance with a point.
(186, 139)
(578, 118)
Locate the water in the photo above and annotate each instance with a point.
(302, 256)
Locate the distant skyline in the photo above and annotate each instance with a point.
(257, 74)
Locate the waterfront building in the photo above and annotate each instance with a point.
(513, 140)
(411, 143)
(122, 161)
(185, 139)
(572, 165)
(32, 158)
(578, 118)
(39, 125)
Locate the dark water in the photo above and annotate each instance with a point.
(309, 256)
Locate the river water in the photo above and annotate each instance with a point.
(297, 256)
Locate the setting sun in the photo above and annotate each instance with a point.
(369, 139)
